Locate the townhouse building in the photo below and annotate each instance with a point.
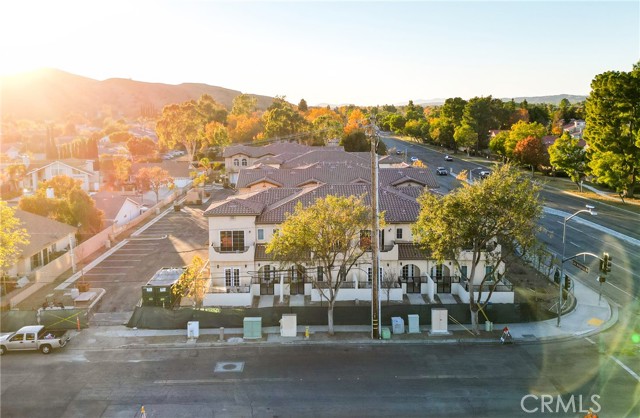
(241, 226)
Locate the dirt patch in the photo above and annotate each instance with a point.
(531, 286)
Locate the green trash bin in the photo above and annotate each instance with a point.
(386, 334)
(488, 326)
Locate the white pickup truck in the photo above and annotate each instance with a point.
(33, 337)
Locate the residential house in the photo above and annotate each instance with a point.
(76, 169)
(179, 169)
(575, 128)
(119, 208)
(47, 240)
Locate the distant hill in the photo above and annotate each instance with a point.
(52, 94)
(554, 99)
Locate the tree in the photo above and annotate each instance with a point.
(70, 205)
(153, 179)
(520, 131)
(326, 234)
(356, 141)
(497, 144)
(185, 124)
(530, 151)
(479, 115)
(192, 282)
(141, 147)
(302, 105)
(120, 137)
(244, 104)
(281, 119)
(612, 129)
(465, 137)
(243, 128)
(121, 170)
(567, 155)
(15, 173)
(503, 209)
(325, 127)
(12, 237)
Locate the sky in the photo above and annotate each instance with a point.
(339, 52)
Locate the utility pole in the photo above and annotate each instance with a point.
(375, 261)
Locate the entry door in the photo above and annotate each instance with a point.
(297, 280)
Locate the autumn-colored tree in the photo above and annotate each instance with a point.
(141, 147)
(243, 128)
(15, 173)
(193, 282)
(121, 170)
(324, 233)
(530, 151)
(120, 137)
(520, 131)
(69, 204)
(153, 179)
(504, 209)
(12, 237)
(356, 121)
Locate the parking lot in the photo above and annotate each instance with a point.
(171, 240)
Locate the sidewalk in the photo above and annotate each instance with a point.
(589, 317)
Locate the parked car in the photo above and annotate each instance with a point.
(448, 158)
(441, 171)
(414, 159)
(33, 337)
(484, 174)
(398, 152)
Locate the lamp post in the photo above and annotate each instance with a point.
(375, 261)
(589, 210)
(471, 174)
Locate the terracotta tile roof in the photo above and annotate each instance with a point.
(327, 155)
(43, 232)
(176, 168)
(261, 253)
(261, 151)
(334, 173)
(411, 252)
(234, 207)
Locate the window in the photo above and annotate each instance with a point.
(244, 162)
(231, 241)
(36, 261)
(369, 269)
(399, 233)
(488, 272)
(232, 276)
(267, 273)
(320, 274)
(410, 270)
(365, 238)
(438, 271)
(17, 337)
(260, 234)
(236, 162)
(463, 272)
(30, 336)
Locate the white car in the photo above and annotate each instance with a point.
(414, 159)
(448, 158)
(441, 171)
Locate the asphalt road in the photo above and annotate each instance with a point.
(383, 380)
(623, 283)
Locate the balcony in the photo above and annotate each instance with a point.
(227, 250)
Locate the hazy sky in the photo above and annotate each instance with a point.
(330, 52)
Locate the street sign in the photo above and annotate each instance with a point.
(580, 266)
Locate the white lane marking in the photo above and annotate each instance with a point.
(624, 366)
(590, 340)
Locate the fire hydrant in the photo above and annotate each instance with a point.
(306, 332)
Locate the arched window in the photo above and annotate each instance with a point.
(236, 162)
(410, 270)
(244, 162)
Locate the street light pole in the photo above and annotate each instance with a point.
(375, 262)
(590, 211)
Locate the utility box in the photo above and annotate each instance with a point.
(439, 321)
(397, 325)
(193, 329)
(288, 325)
(252, 328)
(414, 324)
(159, 290)
(386, 334)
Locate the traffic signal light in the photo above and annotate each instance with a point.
(605, 263)
(567, 282)
(608, 263)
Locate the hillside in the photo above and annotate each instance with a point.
(53, 94)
